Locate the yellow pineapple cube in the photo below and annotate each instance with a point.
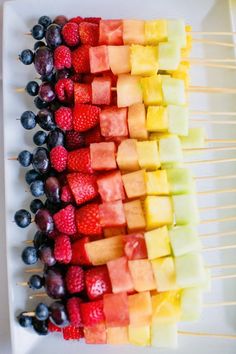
(157, 183)
(139, 335)
(157, 119)
(155, 31)
(148, 155)
(158, 243)
(158, 212)
(144, 60)
(166, 307)
(164, 273)
(152, 90)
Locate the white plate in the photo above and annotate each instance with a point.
(19, 16)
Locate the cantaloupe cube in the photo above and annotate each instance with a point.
(128, 90)
(134, 216)
(137, 121)
(144, 60)
(142, 275)
(176, 32)
(119, 274)
(135, 184)
(190, 270)
(173, 91)
(184, 239)
(166, 307)
(164, 335)
(114, 231)
(170, 150)
(158, 211)
(119, 59)
(117, 335)
(178, 119)
(95, 334)
(133, 32)
(127, 157)
(157, 243)
(140, 309)
(168, 56)
(157, 183)
(139, 335)
(155, 31)
(148, 155)
(180, 181)
(157, 119)
(195, 138)
(191, 304)
(164, 273)
(185, 209)
(152, 90)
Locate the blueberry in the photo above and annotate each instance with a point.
(40, 138)
(41, 312)
(35, 282)
(40, 327)
(29, 255)
(55, 137)
(39, 103)
(32, 176)
(22, 218)
(37, 188)
(28, 120)
(25, 158)
(24, 320)
(53, 36)
(39, 44)
(45, 119)
(26, 56)
(35, 205)
(45, 21)
(40, 239)
(38, 32)
(32, 88)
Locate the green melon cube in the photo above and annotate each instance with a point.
(191, 304)
(164, 335)
(190, 271)
(185, 209)
(178, 118)
(176, 32)
(180, 181)
(184, 239)
(195, 138)
(169, 56)
(170, 150)
(173, 91)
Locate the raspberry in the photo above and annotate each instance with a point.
(75, 279)
(53, 328)
(62, 249)
(58, 158)
(62, 57)
(64, 90)
(65, 220)
(73, 309)
(64, 118)
(80, 59)
(77, 20)
(72, 333)
(74, 140)
(66, 194)
(70, 34)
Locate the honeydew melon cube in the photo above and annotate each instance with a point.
(191, 304)
(173, 91)
(117, 335)
(166, 307)
(139, 335)
(176, 32)
(119, 59)
(164, 273)
(190, 270)
(135, 184)
(157, 183)
(185, 209)
(195, 138)
(164, 335)
(157, 119)
(170, 150)
(127, 157)
(155, 31)
(180, 181)
(178, 119)
(184, 239)
(157, 243)
(133, 31)
(152, 90)
(168, 56)
(128, 90)
(144, 60)
(158, 212)
(148, 155)
(137, 121)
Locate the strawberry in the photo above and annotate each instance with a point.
(66, 194)
(85, 117)
(87, 220)
(72, 333)
(74, 140)
(62, 249)
(82, 93)
(70, 34)
(97, 282)
(65, 220)
(74, 279)
(62, 57)
(58, 158)
(93, 20)
(80, 59)
(92, 312)
(79, 254)
(77, 20)
(93, 136)
(64, 90)
(53, 328)
(73, 309)
(89, 33)
(64, 118)
(79, 161)
(83, 187)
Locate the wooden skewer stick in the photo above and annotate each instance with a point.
(225, 276)
(212, 65)
(211, 178)
(224, 141)
(210, 60)
(213, 33)
(208, 162)
(219, 304)
(231, 218)
(33, 270)
(29, 314)
(217, 191)
(37, 295)
(219, 207)
(212, 335)
(207, 41)
(222, 266)
(213, 149)
(209, 121)
(212, 113)
(219, 248)
(22, 283)
(211, 89)
(219, 234)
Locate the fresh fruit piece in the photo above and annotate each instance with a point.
(93, 20)
(134, 246)
(26, 56)
(62, 249)
(64, 89)
(89, 33)
(45, 119)
(157, 183)
(144, 60)
(164, 273)
(148, 155)
(137, 121)
(77, 19)
(169, 56)
(44, 220)
(114, 231)
(28, 120)
(158, 243)
(74, 140)
(92, 313)
(180, 181)
(55, 287)
(127, 157)
(135, 184)
(85, 117)
(185, 209)
(102, 251)
(74, 279)
(79, 253)
(195, 138)
(72, 333)
(87, 220)
(82, 93)
(113, 122)
(73, 309)
(152, 90)
(173, 91)
(65, 220)
(93, 136)
(117, 335)
(112, 214)
(176, 32)
(139, 335)
(79, 161)
(140, 309)
(80, 59)
(119, 59)
(110, 186)
(158, 211)
(97, 282)
(116, 310)
(133, 32)
(43, 60)
(166, 307)
(66, 195)
(191, 304)
(58, 315)
(170, 150)
(134, 216)
(157, 119)
(184, 239)
(62, 58)
(120, 276)
(110, 32)
(83, 187)
(190, 270)
(52, 328)
(63, 118)
(29, 255)
(155, 31)
(101, 91)
(142, 275)
(128, 90)
(70, 34)
(46, 92)
(103, 156)
(98, 58)
(95, 334)
(54, 138)
(164, 335)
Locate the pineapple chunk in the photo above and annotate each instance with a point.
(157, 119)
(164, 335)
(166, 307)
(173, 91)
(169, 56)
(191, 304)
(190, 271)
(195, 138)
(139, 335)
(137, 121)
(155, 31)
(134, 216)
(152, 90)
(158, 211)
(178, 119)
(185, 209)
(157, 243)
(170, 150)
(157, 183)
(180, 181)
(127, 157)
(144, 60)
(164, 273)
(176, 32)
(128, 90)
(135, 184)
(148, 156)
(184, 239)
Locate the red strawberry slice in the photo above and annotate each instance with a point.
(74, 279)
(93, 136)
(79, 254)
(97, 282)
(80, 59)
(65, 220)
(79, 161)
(82, 93)
(92, 312)
(85, 117)
(83, 187)
(89, 33)
(87, 220)
(72, 333)
(73, 309)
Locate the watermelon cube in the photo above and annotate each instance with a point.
(142, 275)
(184, 239)
(135, 184)
(137, 122)
(180, 181)
(110, 186)
(155, 31)
(119, 273)
(195, 138)
(117, 335)
(158, 243)
(127, 157)
(139, 335)
(169, 56)
(185, 209)
(112, 214)
(173, 91)
(135, 246)
(98, 59)
(133, 32)
(170, 150)
(148, 155)
(101, 251)
(191, 304)
(110, 32)
(128, 90)
(113, 122)
(95, 334)
(158, 211)
(103, 156)
(166, 307)
(157, 119)
(101, 90)
(116, 310)
(157, 183)
(164, 273)
(152, 90)
(178, 119)
(114, 231)
(164, 335)
(119, 59)
(144, 60)
(140, 309)
(190, 271)
(134, 216)
(176, 32)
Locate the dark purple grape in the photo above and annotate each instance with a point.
(55, 105)
(52, 207)
(55, 138)
(63, 74)
(53, 36)
(52, 189)
(54, 283)
(60, 20)
(45, 119)
(46, 255)
(43, 61)
(46, 92)
(44, 220)
(40, 238)
(40, 160)
(58, 314)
